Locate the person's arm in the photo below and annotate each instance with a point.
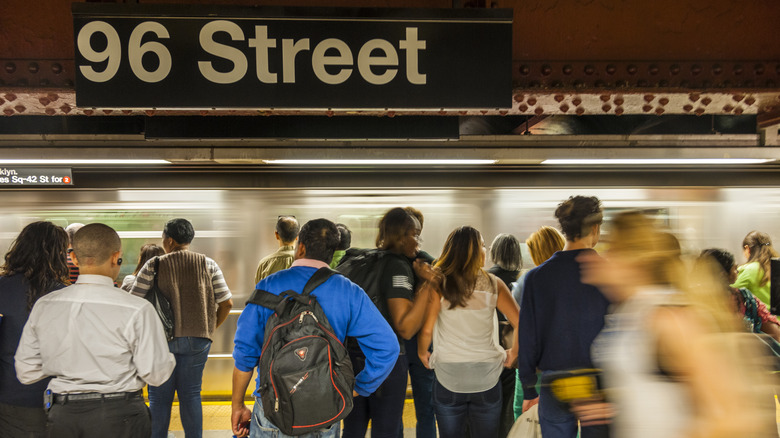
(375, 338)
(222, 293)
(508, 306)
(240, 414)
(425, 337)
(27, 360)
(223, 310)
(152, 359)
(527, 348)
(406, 316)
(143, 281)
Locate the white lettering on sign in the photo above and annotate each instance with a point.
(220, 50)
(332, 60)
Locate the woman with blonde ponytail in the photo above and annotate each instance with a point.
(754, 275)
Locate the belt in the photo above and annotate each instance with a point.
(94, 396)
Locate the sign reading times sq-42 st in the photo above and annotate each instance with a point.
(196, 56)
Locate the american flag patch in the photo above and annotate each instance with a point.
(402, 281)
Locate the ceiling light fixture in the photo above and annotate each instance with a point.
(379, 162)
(656, 161)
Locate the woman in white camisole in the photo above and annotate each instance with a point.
(461, 321)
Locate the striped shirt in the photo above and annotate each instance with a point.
(146, 275)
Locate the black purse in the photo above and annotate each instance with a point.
(161, 303)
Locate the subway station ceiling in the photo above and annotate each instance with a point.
(671, 73)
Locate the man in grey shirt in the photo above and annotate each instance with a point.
(101, 345)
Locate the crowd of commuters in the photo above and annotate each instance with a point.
(669, 339)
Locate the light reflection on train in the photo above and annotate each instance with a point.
(235, 227)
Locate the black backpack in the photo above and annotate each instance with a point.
(364, 267)
(162, 305)
(307, 377)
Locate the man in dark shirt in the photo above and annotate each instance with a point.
(560, 316)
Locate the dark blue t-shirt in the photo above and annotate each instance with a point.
(559, 318)
(13, 307)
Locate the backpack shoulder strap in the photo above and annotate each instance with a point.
(265, 298)
(319, 277)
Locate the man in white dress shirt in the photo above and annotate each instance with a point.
(101, 345)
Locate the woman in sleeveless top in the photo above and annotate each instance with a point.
(462, 324)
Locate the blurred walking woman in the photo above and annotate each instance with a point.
(675, 360)
(754, 275)
(461, 321)
(34, 266)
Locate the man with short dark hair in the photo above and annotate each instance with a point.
(201, 302)
(286, 233)
(560, 316)
(348, 309)
(99, 343)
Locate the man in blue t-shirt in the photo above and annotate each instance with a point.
(349, 311)
(559, 318)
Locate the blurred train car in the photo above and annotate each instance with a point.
(235, 226)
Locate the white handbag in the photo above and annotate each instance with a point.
(527, 425)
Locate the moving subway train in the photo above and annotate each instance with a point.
(235, 226)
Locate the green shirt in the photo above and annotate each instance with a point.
(750, 277)
(337, 256)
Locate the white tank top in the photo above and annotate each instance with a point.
(467, 357)
(650, 404)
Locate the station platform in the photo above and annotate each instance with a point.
(216, 420)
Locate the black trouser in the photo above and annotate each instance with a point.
(22, 422)
(117, 418)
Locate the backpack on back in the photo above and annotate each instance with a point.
(307, 377)
(364, 267)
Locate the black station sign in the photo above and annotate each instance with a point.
(28, 176)
(196, 57)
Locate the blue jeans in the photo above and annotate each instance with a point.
(481, 411)
(558, 422)
(191, 354)
(422, 391)
(385, 407)
(262, 428)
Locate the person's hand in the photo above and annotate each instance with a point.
(593, 412)
(511, 358)
(527, 404)
(355, 394)
(240, 418)
(427, 272)
(425, 357)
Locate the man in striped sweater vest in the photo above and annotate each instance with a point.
(201, 302)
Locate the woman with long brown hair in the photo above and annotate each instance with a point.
(462, 324)
(34, 266)
(754, 275)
